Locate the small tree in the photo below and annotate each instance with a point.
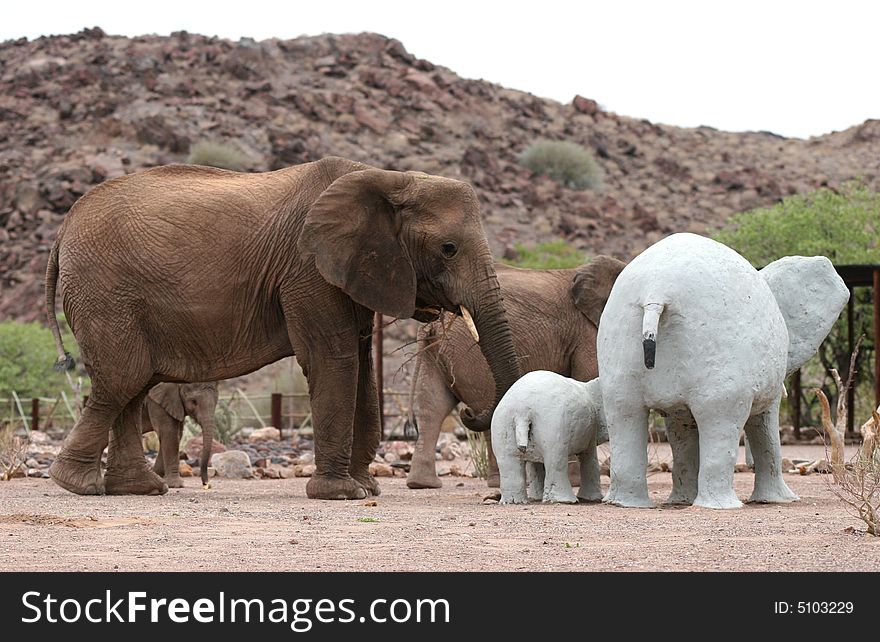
(216, 154)
(27, 354)
(843, 225)
(565, 162)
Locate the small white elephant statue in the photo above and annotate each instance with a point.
(693, 330)
(543, 419)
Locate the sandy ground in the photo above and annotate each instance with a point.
(269, 525)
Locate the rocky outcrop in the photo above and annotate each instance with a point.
(76, 110)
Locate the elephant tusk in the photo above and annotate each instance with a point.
(469, 321)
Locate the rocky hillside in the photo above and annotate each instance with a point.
(76, 110)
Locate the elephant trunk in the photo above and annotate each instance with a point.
(496, 344)
(207, 424)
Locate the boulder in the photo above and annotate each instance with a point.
(269, 433)
(233, 464)
(194, 447)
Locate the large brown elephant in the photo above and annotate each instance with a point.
(165, 408)
(185, 273)
(554, 316)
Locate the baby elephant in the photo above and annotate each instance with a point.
(545, 417)
(166, 406)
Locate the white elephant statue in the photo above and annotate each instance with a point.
(693, 330)
(543, 419)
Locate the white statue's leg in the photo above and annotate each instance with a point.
(513, 478)
(557, 487)
(719, 429)
(590, 490)
(628, 434)
(762, 432)
(684, 440)
(535, 478)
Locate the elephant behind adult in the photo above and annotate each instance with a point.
(164, 410)
(257, 267)
(554, 316)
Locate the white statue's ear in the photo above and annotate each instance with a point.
(811, 296)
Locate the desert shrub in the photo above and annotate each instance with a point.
(27, 356)
(226, 419)
(842, 225)
(547, 256)
(478, 453)
(216, 154)
(13, 452)
(565, 162)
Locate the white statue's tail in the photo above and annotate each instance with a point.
(522, 424)
(650, 321)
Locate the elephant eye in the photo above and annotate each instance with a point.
(449, 249)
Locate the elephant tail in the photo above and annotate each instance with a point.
(522, 424)
(65, 361)
(650, 321)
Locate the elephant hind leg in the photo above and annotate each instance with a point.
(628, 432)
(127, 469)
(590, 489)
(719, 430)
(77, 467)
(535, 478)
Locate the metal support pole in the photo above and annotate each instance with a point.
(850, 332)
(377, 365)
(876, 297)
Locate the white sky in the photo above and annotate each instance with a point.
(795, 68)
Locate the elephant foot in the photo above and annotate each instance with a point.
(773, 494)
(82, 478)
(514, 498)
(326, 487)
(593, 497)
(628, 500)
(718, 501)
(368, 483)
(423, 477)
(555, 496)
(493, 480)
(139, 481)
(174, 481)
(679, 499)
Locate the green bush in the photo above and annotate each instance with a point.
(214, 154)
(27, 354)
(564, 162)
(547, 256)
(845, 227)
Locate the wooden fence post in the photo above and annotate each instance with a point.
(35, 414)
(276, 410)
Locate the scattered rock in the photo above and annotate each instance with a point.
(305, 458)
(185, 469)
(39, 437)
(269, 433)
(193, 448)
(233, 464)
(381, 470)
(304, 470)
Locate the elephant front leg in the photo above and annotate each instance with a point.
(681, 430)
(590, 489)
(762, 432)
(333, 385)
(168, 460)
(367, 421)
(433, 402)
(127, 470)
(535, 477)
(628, 434)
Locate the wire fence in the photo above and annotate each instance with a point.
(281, 410)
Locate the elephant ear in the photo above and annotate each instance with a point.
(167, 395)
(353, 231)
(810, 295)
(592, 284)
